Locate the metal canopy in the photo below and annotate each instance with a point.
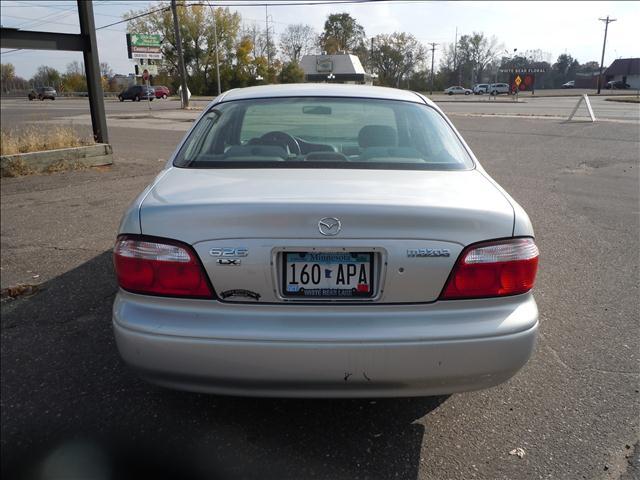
(84, 42)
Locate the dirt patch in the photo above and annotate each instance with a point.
(65, 166)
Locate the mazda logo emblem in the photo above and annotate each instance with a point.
(329, 226)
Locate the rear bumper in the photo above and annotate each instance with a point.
(306, 351)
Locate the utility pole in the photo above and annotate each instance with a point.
(215, 42)
(371, 59)
(455, 51)
(606, 21)
(266, 20)
(183, 71)
(433, 49)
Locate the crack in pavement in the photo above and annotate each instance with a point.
(558, 358)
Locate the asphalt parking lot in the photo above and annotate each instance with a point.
(574, 409)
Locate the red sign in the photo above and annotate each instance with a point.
(145, 75)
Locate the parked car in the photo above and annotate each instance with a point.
(43, 93)
(161, 92)
(137, 93)
(498, 88)
(617, 85)
(481, 88)
(325, 240)
(569, 84)
(457, 90)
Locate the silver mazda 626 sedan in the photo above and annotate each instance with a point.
(325, 241)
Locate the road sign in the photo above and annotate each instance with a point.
(518, 80)
(145, 40)
(147, 55)
(144, 46)
(145, 75)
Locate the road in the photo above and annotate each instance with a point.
(15, 111)
(574, 408)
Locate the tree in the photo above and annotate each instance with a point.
(198, 42)
(291, 73)
(105, 70)
(75, 68)
(449, 67)
(74, 80)
(297, 40)
(341, 34)
(589, 67)
(46, 76)
(476, 52)
(7, 75)
(396, 56)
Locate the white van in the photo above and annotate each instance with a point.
(497, 88)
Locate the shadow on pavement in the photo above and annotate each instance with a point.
(71, 408)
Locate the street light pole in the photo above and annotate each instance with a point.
(606, 21)
(183, 70)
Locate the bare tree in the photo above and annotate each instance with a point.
(105, 70)
(297, 40)
(478, 51)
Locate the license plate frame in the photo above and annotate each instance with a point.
(329, 293)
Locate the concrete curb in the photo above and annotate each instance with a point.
(37, 162)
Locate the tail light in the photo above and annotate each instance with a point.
(493, 269)
(159, 267)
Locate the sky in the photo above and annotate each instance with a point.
(553, 27)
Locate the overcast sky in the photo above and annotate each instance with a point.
(554, 27)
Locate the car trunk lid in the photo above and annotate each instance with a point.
(269, 211)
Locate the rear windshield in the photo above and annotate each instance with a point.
(323, 133)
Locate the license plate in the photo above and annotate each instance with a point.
(328, 274)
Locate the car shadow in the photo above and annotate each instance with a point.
(68, 403)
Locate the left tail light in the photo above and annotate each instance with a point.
(159, 267)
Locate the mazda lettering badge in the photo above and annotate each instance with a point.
(329, 226)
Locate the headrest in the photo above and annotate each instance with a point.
(377, 136)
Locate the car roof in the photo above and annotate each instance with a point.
(322, 90)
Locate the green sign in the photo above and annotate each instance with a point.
(145, 40)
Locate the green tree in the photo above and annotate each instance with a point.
(396, 57)
(342, 33)
(46, 77)
(7, 75)
(291, 73)
(74, 80)
(198, 42)
(564, 69)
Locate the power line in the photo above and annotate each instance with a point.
(134, 17)
(57, 7)
(54, 22)
(307, 3)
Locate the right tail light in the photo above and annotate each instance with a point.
(493, 269)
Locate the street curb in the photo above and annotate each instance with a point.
(53, 160)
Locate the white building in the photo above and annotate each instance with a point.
(341, 68)
(626, 70)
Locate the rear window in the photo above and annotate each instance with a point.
(323, 133)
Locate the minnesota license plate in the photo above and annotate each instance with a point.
(328, 274)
